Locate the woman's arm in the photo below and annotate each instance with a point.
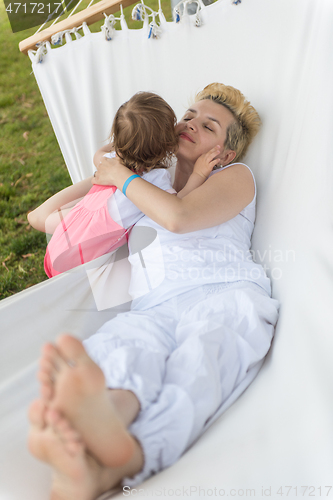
(46, 217)
(217, 200)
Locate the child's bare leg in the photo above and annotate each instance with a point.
(76, 474)
(73, 385)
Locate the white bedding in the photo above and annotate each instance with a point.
(279, 433)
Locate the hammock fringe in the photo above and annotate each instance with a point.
(140, 12)
(180, 11)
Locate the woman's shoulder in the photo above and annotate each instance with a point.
(220, 169)
(241, 165)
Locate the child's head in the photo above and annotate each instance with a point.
(143, 132)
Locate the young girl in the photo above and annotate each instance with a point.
(143, 136)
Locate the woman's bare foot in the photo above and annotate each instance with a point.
(74, 386)
(77, 475)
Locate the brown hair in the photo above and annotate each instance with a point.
(247, 121)
(143, 132)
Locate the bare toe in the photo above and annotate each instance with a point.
(78, 365)
(52, 417)
(36, 413)
(61, 425)
(67, 434)
(50, 364)
(71, 349)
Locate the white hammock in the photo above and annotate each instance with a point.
(278, 436)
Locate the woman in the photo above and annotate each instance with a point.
(157, 375)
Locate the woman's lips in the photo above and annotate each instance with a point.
(186, 136)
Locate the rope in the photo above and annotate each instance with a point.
(180, 10)
(37, 56)
(58, 37)
(108, 27)
(76, 6)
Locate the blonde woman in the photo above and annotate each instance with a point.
(140, 392)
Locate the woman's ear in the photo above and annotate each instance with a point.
(227, 157)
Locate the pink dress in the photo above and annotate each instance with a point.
(87, 232)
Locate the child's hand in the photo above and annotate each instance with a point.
(101, 152)
(206, 162)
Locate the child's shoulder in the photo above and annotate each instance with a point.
(160, 177)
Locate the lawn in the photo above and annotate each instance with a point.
(31, 164)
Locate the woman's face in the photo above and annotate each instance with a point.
(203, 127)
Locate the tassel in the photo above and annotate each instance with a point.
(57, 38)
(177, 15)
(77, 34)
(154, 30)
(138, 13)
(198, 21)
(41, 52)
(108, 27)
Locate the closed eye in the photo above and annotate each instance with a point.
(209, 128)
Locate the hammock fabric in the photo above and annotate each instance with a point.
(277, 438)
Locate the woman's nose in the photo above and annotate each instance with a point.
(191, 124)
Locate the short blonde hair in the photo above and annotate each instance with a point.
(247, 121)
(143, 132)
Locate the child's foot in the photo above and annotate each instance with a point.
(75, 387)
(77, 475)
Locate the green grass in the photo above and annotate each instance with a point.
(31, 164)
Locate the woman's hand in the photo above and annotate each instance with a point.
(206, 162)
(107, 172)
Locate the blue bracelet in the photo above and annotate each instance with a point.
(126, 183)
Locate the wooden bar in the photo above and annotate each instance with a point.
(90, 15)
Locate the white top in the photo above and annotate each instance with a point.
(122, 210)
(166, 264)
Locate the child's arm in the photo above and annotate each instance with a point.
(202, 168)
(47, 216)
(101, 152)
(195, 180)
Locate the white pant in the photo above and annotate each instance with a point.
(184, 359)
